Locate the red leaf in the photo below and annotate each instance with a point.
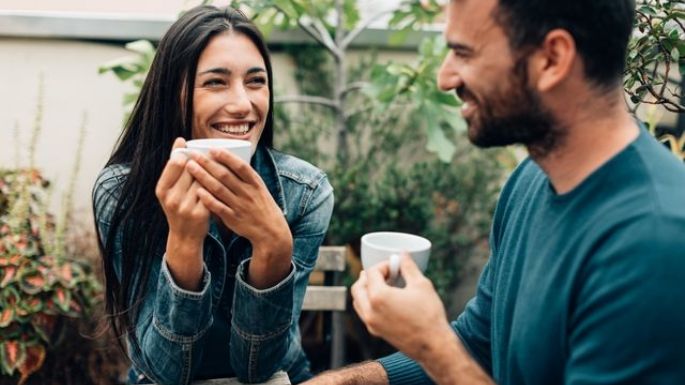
(35, 280)
(44, 325)
(6, 316)
(66, 273)
(35, 356)
(12, 354)
(75, 308)
(62, 298)
(9, 273)
(13, 260)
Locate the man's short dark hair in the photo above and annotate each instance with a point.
(601, 29)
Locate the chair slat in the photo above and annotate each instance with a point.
(331, 258)
(325, 298)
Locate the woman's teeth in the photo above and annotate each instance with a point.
(236, 129)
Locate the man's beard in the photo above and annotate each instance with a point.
(514, 116)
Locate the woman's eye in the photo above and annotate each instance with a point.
(214, 83)
(258, 80)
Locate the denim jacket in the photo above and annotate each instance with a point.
(228, 328)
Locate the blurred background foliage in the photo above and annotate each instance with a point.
(50, 293)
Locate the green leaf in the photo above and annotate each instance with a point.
(454, 120)
(287, 7)
(647, 10)
(143, 47)
(439, 144)
(448, 99)
(398, 37)
(351, 11)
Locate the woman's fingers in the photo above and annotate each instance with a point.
(240, 169)
(212, 182)
(173, 170)
(216, 206)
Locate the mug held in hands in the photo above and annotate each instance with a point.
(385, 245)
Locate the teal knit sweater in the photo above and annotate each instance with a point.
(586, 287)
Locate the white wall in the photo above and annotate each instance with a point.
(72, 87)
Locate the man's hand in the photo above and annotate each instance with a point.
(412, 318)
(366, 373)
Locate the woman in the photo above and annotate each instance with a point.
(206, 257)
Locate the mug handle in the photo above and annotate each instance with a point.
(394, 266)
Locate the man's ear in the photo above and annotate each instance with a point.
(554, 61)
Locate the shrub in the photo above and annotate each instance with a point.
(38, 288)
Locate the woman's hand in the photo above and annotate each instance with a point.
(234, 192)
(188, 220)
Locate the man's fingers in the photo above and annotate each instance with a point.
(408, 269)
(377, 275)
(360, 298)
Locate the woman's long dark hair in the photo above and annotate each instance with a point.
(163, 112)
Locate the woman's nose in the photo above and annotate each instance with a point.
(238, 102)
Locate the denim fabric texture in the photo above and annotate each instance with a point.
(228, 328)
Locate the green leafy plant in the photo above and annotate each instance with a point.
(334, 25)
(656, 54)
(391, 181)
(40, 285)
(132, 69)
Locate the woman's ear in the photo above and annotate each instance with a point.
(553, 61)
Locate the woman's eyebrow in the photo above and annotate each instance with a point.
(255, 70)
(216, 70)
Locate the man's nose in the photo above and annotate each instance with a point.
(448, 74)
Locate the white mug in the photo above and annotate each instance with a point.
(387, 246)
(240, 148)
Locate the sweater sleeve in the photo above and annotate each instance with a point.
(402, 370)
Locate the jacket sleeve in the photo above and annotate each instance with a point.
(170, 320)
(262, 319)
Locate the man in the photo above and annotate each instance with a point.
(585, 283)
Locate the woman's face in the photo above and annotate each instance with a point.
(231, 96)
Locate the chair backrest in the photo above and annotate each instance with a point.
(332, 296)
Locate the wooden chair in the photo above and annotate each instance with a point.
(330, 298)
